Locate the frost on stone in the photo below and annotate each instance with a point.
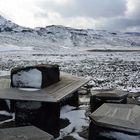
(30, 78)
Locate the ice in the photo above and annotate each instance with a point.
(31, 78)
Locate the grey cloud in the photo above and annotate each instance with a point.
(121, 23)
(88, 8)
(135, 13)
(41, 15)
(111, 14)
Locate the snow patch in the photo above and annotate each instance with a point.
(66, 109)
(7, 114)
(10, 47)
(77, 120)
(31, 78)
(4, 73)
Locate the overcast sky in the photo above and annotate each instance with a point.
(96, 14)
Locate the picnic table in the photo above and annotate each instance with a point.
(42, 107)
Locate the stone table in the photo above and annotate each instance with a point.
(42, 107)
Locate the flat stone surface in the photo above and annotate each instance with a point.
(67, 85)
(125, 117)
(109, 94)
(24, 133)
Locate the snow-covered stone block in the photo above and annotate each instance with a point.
(38, 76)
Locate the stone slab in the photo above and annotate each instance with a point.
(24, 133)
(109, 94)
(98, 97)
(67, 85)
(124, 117)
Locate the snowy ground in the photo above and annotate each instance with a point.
(105, 69)
(109, 59)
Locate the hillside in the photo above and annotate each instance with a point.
(60, 38)
(110, 59)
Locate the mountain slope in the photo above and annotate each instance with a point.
(52, 37)
(9, 26)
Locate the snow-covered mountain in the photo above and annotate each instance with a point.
(64, 37)
(69, 48)
(8, 26)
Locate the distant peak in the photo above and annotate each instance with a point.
(9, 26)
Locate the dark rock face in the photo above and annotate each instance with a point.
(38, 76)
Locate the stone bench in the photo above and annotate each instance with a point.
(24, 133)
